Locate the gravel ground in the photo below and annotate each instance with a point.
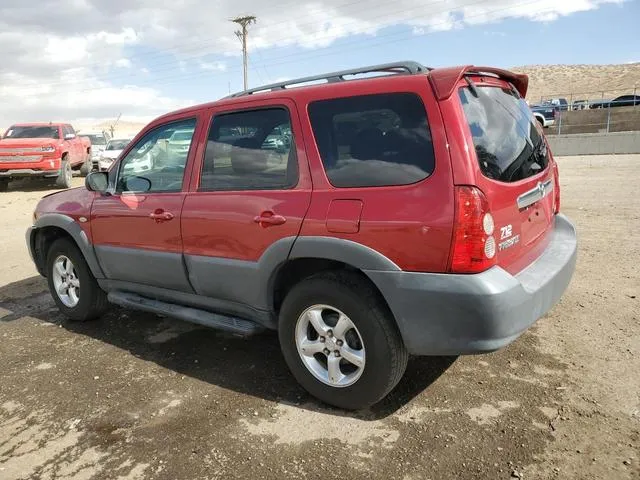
(135, 396)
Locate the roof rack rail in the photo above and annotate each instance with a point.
(396, 68)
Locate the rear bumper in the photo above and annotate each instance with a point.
(28, 172)
(442, 314)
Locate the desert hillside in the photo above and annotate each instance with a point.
(584, 81)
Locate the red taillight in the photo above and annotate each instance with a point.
(473, 247)
(556, 189)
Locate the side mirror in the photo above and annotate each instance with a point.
(69, 136)
(137, 184)
(97, 182)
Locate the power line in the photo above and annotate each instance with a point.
(295, 58)
(171, 64)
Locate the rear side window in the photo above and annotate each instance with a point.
(508, 144)
(373, 140)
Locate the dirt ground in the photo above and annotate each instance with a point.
(135, 396)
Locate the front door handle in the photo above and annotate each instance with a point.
(267, 219)
(161, 216)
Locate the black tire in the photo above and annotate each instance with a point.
(87, 166)
(92, 299)
(386, 356)
(4, 184)
(66, 175)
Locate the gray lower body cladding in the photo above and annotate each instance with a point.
(441, 314)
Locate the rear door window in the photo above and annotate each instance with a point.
(250, 150)
(373, 140)
(506, 138)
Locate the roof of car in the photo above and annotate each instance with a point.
(40, 124)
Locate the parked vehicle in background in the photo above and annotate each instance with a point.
(98, 144)
(560, 103)
(580, 105)
(621, 101)
(111, 152)
(416, 212)
(545, 114)
(178, 144)
(50, 150)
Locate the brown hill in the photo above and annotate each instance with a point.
(581, 81)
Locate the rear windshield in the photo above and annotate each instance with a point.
(508, 144)
(117, 144)
(97, 139)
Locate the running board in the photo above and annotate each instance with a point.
(188, 314)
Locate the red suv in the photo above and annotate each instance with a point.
(414, 211)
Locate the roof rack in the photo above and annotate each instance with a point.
(396, 68)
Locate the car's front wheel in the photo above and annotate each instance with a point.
(341, 341)
(65, 176)
(71, 283)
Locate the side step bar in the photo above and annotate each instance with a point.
(193, 315)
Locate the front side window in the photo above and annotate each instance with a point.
(155, 164)
(250, 150)
(373, 140)
(507, 142)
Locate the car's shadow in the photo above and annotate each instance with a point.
(28, 184)
(32, 185)
(252, 366)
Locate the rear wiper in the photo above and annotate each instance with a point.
(540, 150)
(472, 87)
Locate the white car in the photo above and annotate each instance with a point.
(111, 152)
(178, 144)
(98, 144)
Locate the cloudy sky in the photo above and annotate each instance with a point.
(79, 59)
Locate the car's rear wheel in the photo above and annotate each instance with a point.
(71, 283)
(341, 341)
(66, 175)
(4, 184)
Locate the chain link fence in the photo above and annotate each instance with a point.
(598, 111)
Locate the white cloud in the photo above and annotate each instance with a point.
(123, 63)
(54, 67)
(213, 66)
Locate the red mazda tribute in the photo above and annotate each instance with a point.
(413, 211)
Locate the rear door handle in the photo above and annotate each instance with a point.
(161, 216)
(267, 219)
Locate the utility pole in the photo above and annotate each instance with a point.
(244, 23)
(112, 127)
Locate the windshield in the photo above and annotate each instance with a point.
(32, 132)
(97, 139)
(117, 144)
(508, 144)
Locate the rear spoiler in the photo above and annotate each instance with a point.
(444, 80)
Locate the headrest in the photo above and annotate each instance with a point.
(247, 157)
(367, 144)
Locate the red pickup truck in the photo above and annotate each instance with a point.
(43, 150)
